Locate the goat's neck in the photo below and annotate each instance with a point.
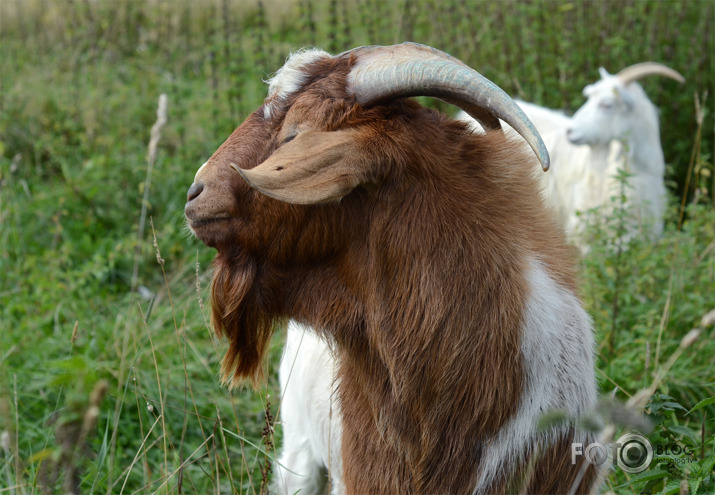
(642, 146)
(434, 364)
(435, 371)
(427, 310)
(605, 152)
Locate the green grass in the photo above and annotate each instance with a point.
(120, 386)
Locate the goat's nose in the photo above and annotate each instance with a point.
(194, 191)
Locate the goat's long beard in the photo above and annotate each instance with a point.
(237, 315)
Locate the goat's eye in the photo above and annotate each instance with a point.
(605, 105)
(289, 138)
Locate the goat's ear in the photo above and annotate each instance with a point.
(315, 167)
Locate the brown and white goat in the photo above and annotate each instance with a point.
(422, 252)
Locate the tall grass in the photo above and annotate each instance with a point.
(109, 373)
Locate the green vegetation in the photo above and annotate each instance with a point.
(109, 376)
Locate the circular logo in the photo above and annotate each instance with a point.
(635, 453)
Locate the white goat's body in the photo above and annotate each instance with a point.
(588, 151)
(583, 177)
(555, 325)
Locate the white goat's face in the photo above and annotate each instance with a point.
(606, 114)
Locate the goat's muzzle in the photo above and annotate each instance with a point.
(204, 212)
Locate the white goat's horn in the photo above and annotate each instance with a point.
(638, 71)
(383, 73)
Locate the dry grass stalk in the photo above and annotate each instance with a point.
(154, 138)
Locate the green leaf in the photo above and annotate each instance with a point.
(671, 488)
(707, 464)
(651, 485)
(684, 431)
(666, 402)
(702, 403)
(646, 476)
(694, 485)
(672, 406)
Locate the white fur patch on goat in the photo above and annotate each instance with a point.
(556, 349)
(199, 170)
(310, 416)
(290, 77)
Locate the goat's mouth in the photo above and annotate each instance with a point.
(210, 229)
(203, 222)
(198, 215)
(575, 137)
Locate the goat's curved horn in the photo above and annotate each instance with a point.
(383, 73)
(638, 71)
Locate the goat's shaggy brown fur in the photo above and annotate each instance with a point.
(417, 276)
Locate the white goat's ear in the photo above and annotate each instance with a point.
(315, 167)
(604, 73)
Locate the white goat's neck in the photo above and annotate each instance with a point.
(642, 146)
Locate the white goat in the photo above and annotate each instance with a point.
(616, 129)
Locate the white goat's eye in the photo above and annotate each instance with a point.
(605, 105)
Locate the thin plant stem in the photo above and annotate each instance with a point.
(151, 159)
(161, 398)
(139, 450)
